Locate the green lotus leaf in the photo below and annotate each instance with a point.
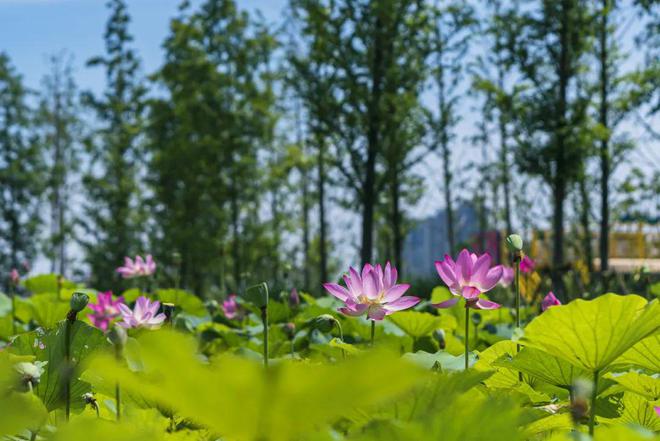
(592, 334)
(49, 346)
(545, 367)
(255, 405)
(415, 324)
(20, 411)
(44, 309)
(441, 360)
(184, 300)
(504, 377)
(645, 354)
(644, 385)
(349, 348)
(46, 283)
(636, 410)
(559, 421)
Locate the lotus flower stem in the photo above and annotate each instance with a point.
(467, 339)
(516, 263)
(373, 332)
(68, 323)
(117, 389)
(341, 337)
(78, 302)
(118, 401)
(12, 293)
(592, 413)
(264, 320)
(59, 286)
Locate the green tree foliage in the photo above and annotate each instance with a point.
(111, 220)
(21, 172)
(361, 50)
(452, 31)
(60, 130)
(493, 69)
(550, 42)
(219, 106)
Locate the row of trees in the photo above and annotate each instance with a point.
(227, 162)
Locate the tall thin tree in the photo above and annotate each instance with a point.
(112, 219)
(60, 135)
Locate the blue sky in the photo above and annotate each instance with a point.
(31, 30)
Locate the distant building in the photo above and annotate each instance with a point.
(427, 241)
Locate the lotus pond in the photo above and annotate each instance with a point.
(471, 360)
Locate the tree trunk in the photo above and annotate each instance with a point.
(504, 159)
(373, 144)
(397, 233)
(559, 182)
(323, 253)
(447, 177)
(277, 240)
(236, 252)
(483, 220)
(304, 178)
(584, 220)
(559, 196)
(443, 134)
(604, 145)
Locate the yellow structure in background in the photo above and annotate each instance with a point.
(631, 246)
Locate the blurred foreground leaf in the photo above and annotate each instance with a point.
(239, 400)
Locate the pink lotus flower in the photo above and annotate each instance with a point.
(14, 276)
(527, 264)
(230, 307)
(141, 267)
(105, 310)
(294, 298)
(549, 300)
(507, 276)
(144, 314)
(468, 277)
(375, 292)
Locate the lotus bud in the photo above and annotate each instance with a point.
(324, 323)
(515, 243)
(290, 330)
(14, 277)
(258, 295)
(549, 300)
(439, 335)
(476, 319)
(287, 270)
(79, 301)
(294, 298)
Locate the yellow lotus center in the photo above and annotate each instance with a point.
(377, 301)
